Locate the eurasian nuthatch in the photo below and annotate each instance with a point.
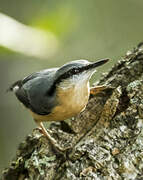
(56, 94)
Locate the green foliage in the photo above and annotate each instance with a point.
(60, 21)
(4, 50)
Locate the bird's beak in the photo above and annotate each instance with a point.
(98, 63)
(95, 64)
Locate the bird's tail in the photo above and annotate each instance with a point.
(16, 84)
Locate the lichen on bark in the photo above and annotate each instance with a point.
(107, 143)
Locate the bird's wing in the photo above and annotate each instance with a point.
(23, 97)
(31, 91)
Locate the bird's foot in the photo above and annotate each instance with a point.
(98, 89)
(54, 143)
(38, 129)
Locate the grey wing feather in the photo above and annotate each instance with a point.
(22, 97)
(32, 92)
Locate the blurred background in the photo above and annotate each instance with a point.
(35, 35)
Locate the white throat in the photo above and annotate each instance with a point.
(76, 80)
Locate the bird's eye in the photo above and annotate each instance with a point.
(74, 71)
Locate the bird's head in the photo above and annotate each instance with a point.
(76, 71)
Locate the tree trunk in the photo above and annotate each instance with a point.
(107, 142)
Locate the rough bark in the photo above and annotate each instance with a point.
(108, 138)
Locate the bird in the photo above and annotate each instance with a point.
(57, 94)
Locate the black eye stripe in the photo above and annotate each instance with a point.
(74, 70)
(60, 78)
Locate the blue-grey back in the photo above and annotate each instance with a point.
(36, 87)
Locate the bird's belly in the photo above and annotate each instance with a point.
(70, 103)
(71, 106)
